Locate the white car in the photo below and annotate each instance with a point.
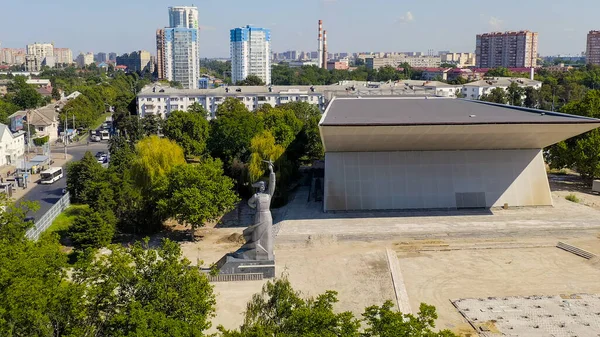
(95, 138)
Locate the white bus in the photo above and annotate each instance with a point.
(51, 175)
(104, 135)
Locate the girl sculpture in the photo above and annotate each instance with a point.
(259, 237)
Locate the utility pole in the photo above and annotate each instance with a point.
(66, 136)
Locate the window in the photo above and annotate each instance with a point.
(149, 99)
(40, 128)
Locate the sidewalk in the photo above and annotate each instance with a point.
(19, 192)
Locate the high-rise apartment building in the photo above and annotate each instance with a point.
(250, 53)
(84, 60)
(135, 61)
(592, 53)
(12, 56)
(40, 50)
(100, 57)
(509, 49)
(183, 17)
(112, 57)
(177, 48)
(63, 55)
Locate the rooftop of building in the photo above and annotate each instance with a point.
(395, 87)
(502, 82)
(382, 124)
(45, 115)
(400, 111)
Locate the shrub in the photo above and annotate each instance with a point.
(572, 198)
(41, 140)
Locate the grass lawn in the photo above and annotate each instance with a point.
(61, 224)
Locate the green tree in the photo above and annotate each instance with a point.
(197, 108)
(83, 178)
(496, 95)
(151, 124)
(251, 80)
(231, 133)
(383, 321)
(23, 94)
(279, 310)
(581, 153)
(498, 72)
(515, 94)
(55, 94)
(263, 147)
(144, 292)
(91, 229)
(532, 98)
(197, 193)
(155, 158)
(282, 123)
(189, 130)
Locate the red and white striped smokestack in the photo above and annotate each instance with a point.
(325, 56)
(320, 47)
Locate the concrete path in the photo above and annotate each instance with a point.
(398, 282)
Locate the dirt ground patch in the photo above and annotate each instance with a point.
(563, 185)
(436, 277)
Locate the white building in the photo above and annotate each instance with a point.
(183, 17)
(250, 53)
(475, 90)
(12, 146)
(40, 50)
(158, 100)
(178, 50)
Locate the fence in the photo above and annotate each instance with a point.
(46, 220)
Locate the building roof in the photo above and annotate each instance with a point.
(421, 123)
(503, 82)
(343, 88)
(436, 111)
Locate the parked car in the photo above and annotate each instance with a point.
(103, 159)
(95, 138)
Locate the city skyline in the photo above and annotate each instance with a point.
(353, 26)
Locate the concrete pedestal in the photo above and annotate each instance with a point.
(230, 265)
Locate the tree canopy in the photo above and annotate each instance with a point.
(189, 130)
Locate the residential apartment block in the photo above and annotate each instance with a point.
(396, 61)
(250, 53)
(12, 56)
(177, 48)
(509, 49)
(158, 100)
(84, 60)
(137, 61)
(63, 55)
(461, 60)
(592, 53)
(40, 50)
(475, 90)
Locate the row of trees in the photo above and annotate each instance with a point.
(154, 291)
(575, 92)
(195, 173)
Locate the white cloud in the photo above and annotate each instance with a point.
(406, 18)
(495, 23)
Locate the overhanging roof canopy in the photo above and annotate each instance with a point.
(420, 124)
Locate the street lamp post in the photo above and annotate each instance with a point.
(66, 139)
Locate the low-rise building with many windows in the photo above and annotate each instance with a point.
(159, 100)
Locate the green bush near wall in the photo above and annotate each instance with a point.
(41, 140)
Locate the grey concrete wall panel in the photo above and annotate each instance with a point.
(435, 179)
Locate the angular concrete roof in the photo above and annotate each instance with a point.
(411, 123)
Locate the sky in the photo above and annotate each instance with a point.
(352, 25)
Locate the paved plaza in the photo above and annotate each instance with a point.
(564, 315)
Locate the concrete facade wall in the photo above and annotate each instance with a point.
(435, 179)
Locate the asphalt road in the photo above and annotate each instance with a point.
(48, 195)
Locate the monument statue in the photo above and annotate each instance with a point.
(256, 255)
(259, 237)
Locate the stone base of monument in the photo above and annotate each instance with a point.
(230, 265)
